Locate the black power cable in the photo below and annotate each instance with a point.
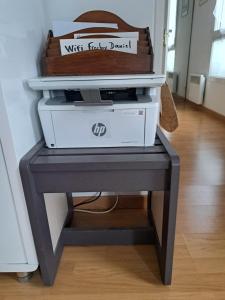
(88, 201)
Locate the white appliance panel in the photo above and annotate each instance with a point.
(11, 247)
(90, 128)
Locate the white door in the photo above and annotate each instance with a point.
(11, 247)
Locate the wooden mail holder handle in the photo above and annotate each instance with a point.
(99, 62)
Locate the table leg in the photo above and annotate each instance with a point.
(169, 225)
(149, 207)
(48, 258)
(70, 209)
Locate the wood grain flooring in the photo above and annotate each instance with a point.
(114, 273)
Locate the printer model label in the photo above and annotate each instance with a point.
(99, 129)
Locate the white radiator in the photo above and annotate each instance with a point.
(196, 88)
(172, 81)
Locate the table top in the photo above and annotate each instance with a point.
(158, 156)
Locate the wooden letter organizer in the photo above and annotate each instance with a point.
(99, 62)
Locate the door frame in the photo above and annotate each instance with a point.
(165, 33)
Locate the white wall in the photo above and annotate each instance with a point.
(183, 38)
(202, 33)
(57, 209)
(22, 34)
(215, 95)
(140, 13)
(202, 38)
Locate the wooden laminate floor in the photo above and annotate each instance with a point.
(132, 272)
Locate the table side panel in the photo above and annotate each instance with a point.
(103, 162)
(107, 181)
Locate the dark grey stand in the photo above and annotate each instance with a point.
(86, 170)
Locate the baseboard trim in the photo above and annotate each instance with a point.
(213, 113)
(199, 107)
(207, 110)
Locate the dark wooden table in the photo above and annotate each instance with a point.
(110, 170)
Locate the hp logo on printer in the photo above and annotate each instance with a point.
(99, 129)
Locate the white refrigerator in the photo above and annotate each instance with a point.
(22, 33)
(17, 252)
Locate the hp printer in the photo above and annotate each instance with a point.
(99, 111)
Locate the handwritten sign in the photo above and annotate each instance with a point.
(134, 35)
(71, 46)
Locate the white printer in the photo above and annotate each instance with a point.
(99, 111)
